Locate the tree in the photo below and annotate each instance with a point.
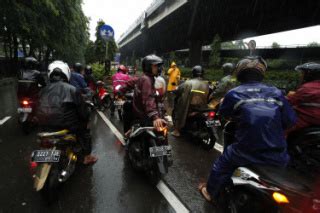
(313, 44)
(55, 28)
(90, 56)
(228, 45)
(215, 59)
(275, 45)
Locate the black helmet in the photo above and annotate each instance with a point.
(150, 60)
(197, 71)
(77, 67)
(311, 71)
(30, 63)
(88, 70)
(227, 68)
(251, 68)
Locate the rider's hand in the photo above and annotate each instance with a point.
(159, 123)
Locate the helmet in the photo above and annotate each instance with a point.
(30, 63)
(122, 68)
(227, 68)
(311, 71)
(173, 64)
(197, 71)
(78, 67)
(88, 70)
(100, 83)
(59, 68)
(150, 60)
(251, 68)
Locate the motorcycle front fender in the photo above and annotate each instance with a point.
(41, 175)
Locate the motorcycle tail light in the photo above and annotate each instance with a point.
(211, 114)
(25, 102)
(33, 166)
(280, 198)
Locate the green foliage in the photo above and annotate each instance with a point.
(228, 45)
(90, 53)
(214, 59)
(98, 70)
(313, 44)
(275, 45)
(50, 27)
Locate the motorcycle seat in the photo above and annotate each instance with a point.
(283, 178)
(53, 134)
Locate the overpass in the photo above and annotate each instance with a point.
(169, 25)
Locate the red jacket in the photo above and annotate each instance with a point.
(306, 102)
(144, 100)
(119, 79)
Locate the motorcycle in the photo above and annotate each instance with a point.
(148, 151)
(118, 102)
(202, 125)
(54, 162)
(304, 149)
(102, 99)
(267, 189)
(25, 112)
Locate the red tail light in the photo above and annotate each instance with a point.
(33, 166)
(211, 114)
(25, 103)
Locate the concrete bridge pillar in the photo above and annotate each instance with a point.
(195, 52)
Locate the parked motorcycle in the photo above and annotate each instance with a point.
(148, 151)
(267, 189)
(54, 162)
(202, 125)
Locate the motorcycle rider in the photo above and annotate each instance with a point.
(144, 104)
(174, 78)
(227, 82)
(77, 78)
(89, 78)
(190, 96)
(120, 78)
(306, 100)
(61, 106)
(29, 79)
(261, 114)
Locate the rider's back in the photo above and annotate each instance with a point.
(58, 104)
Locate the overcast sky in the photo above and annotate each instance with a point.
(120, 14)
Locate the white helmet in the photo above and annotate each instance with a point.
(61, 67)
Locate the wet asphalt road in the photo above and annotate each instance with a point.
(108, 186)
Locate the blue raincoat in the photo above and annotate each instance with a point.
(262, 114)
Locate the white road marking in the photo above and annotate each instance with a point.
(5, 119)
(112, 127)
(218, 147)
(174, 201)
(171, 198)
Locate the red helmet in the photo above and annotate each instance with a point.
(122, 68)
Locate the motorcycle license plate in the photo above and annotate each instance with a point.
(213, 123)
(25, 110)
(46, 156)
(157, 151)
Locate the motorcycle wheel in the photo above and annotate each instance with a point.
(134, 161)
(50, 189)
(120, 114)
(106, 102)
(206, 136)
(152, 169)
(26, 127)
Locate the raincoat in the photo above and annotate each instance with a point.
(225, 84)
(174, 77)
(262, 114)
(191, 95)
(119, 79)
(306, 102)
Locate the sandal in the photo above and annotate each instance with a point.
(203, 191)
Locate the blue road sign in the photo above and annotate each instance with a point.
(106, 32)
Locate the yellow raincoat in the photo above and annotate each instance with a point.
(174, 77)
